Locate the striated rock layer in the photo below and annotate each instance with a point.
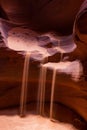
(70, 99)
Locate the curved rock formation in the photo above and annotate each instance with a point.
(44, 16)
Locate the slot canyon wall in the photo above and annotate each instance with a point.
(44, 16)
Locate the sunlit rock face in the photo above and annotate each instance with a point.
(26, 40)
(74, 69)
(11, 62)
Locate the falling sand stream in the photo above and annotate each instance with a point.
(41, 90)
(24, 85)
(44, 64)
(16, 40)
(41, 87)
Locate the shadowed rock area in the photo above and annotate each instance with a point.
(70, 99)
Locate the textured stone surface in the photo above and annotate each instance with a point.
(44, 15)
(68, 93)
